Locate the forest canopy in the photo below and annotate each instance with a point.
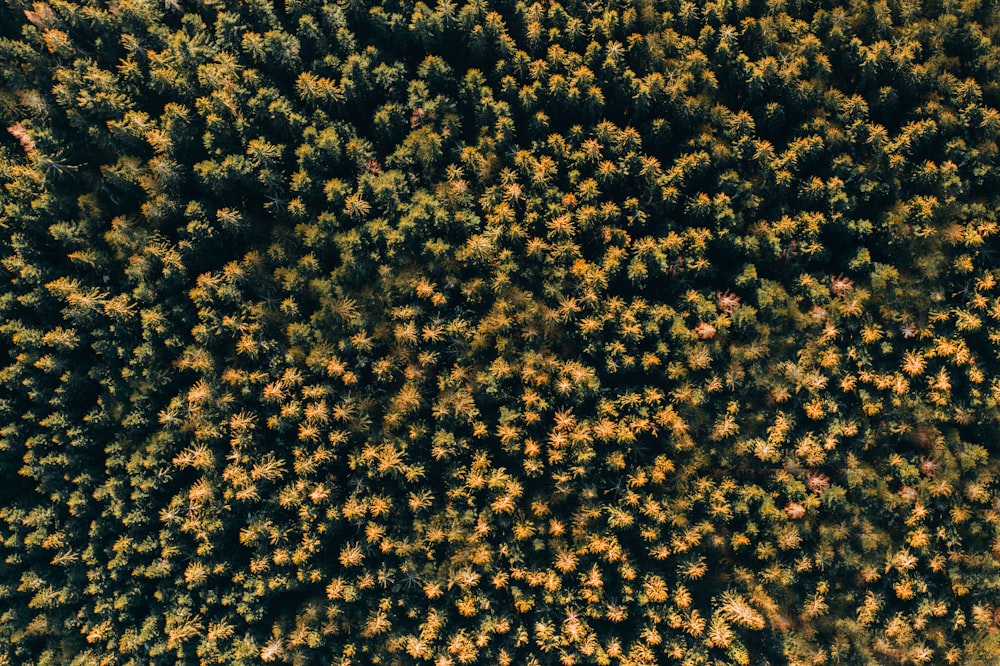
(634, 332)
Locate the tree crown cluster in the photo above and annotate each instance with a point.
(639, 332)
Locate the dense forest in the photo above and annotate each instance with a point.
(633, 332)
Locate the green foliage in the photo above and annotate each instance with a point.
(644, 333)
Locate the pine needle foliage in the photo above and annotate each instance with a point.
(643, 332)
